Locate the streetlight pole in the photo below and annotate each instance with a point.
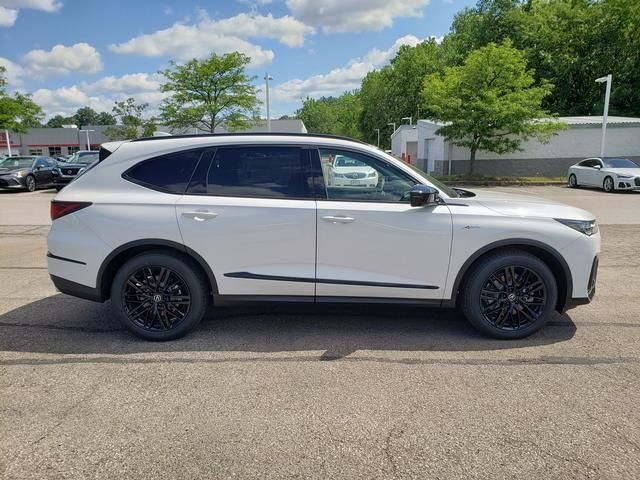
(392, 124)
(607, 94)
(378, 130)
(6, 136)
(268, 77)
(407, 118)
(88, 143)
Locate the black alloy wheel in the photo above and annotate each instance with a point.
(160, 295)
(509, 294)
(156, 298)
(30, 183)
(513, 298)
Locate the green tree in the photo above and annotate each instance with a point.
(133, 122)
(18, 112)
(86, 116)
(105, 118)
(490, 102)
(207, 93)
(332, 115)
(57, 121)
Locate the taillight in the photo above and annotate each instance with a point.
(60, 208)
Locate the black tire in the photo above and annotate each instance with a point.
(484, 308)
(609, 185)
(137, 304)
(573, 181)
(30, 183)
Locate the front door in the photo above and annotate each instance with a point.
(371, 242)
(249, 212)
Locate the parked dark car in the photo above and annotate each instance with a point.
(73, 166)
(28, 173)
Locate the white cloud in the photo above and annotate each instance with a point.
(8, 16)
(102, 94)
(14, 72)
(220, 36)
(9, 9)
(61, 60)
(339, 79)
(340, 16)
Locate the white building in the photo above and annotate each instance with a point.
(404, 142)
(580, 140)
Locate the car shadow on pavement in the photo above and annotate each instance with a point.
(65, 325)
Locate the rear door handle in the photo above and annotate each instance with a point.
(200, 216)
(337, 219)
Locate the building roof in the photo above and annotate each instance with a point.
(597, 120)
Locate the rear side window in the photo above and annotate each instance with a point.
(266, 172)
(169, 173)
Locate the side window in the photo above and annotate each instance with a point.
(267, 172)
(360, 178)
(41, 163)
(169, 173)
(51, 162)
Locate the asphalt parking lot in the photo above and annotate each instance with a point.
(292, 392)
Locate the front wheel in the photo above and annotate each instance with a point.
(509, 295)
(159, 295)
(608, 185)
(30, 183)
(573, 181)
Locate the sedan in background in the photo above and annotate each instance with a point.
(74, 166)
(608, 173)
(28, 173)
(351, 172)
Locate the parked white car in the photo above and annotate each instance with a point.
(610, 174)
(165, 226)
(347, 171)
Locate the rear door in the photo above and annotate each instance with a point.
(250, 213)
(372, 243)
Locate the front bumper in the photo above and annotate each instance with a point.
(628, 183)
(11, 182)
(591, 288)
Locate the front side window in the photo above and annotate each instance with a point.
(263, 172)
(356, 177)
(169, 173)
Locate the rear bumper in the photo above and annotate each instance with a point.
(76, 289)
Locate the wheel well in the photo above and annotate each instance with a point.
(560, 271)
(113, 263)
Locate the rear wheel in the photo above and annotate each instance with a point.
(30, 183)
(608, 185)
(159, 295)
(573, 181)
(509, 295)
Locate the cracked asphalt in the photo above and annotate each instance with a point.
(304, 392)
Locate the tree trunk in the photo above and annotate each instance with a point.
(472, 159)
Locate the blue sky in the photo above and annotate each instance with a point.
(72, 53)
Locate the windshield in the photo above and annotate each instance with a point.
(87, 159)
(436, 183)
(16, 162)
(342, 161)
(620, 163)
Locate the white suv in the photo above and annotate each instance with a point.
(163, 226)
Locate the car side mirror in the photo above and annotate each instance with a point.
(424, 195)
(597, 167)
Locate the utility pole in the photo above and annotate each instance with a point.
(407, 118)
(6, 136)
(88, 143)
(268, 77)
(607, 94)
(378, 130)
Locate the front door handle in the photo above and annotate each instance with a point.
(337, 219)
(200, 216)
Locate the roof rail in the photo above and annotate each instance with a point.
(250, 134)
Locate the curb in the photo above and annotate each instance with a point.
(502, 184)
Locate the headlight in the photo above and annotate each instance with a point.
(19, 174)
(371, 175)
(338, 175)
(588, 227)
(624, 176)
